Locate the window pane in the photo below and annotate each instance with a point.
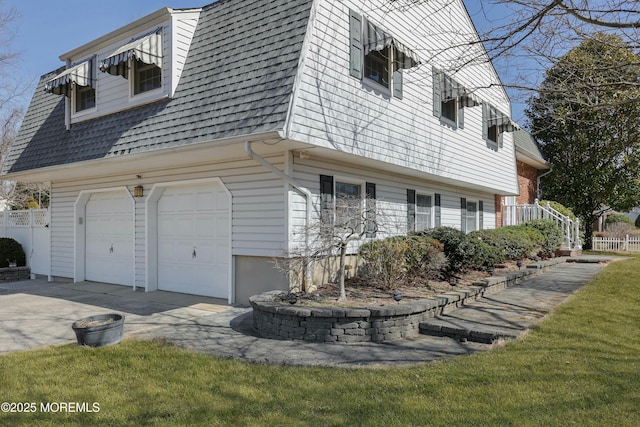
(493, 133)
(348, 205)
(85, 98)
(423, 212)
(449, 110)
(147, 77)
(472, 210)
(376, 66)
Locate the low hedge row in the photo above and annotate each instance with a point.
(429, 253)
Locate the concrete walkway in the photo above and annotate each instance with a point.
(35, 314)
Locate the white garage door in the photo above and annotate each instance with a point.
(109, 238)
(194, 240)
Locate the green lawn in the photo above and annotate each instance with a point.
(580, 367)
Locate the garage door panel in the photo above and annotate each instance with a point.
(109, 238)
(194, 240)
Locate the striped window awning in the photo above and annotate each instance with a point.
(376, 39)
(501, 120)
(80, 75)
(452, 89)
(147, 49)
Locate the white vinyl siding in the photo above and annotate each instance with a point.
(334, 109)
(391, 196)
(258, 209)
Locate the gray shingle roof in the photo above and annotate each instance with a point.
(525, 144)
(237, 80)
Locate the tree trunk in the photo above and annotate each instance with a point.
(588, 231)
(341, 269)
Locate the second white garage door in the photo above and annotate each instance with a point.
(194, 240)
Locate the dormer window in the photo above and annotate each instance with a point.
(85, 98)
(78, 83)
(146, 77)
(140, 60)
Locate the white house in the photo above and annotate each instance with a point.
(185, 149)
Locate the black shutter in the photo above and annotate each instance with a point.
(463, 214)
(480, 215)
(326, 199)
(355, 30)
(460, 115)
(485, 121)
(437, 215)
(397, 83)
(437, 92)
(371, 214)
(411, 210)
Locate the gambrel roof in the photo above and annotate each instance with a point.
(237, 80)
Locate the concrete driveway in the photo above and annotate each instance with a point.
(36, 313)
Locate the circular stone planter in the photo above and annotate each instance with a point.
(275, 319)
(98, 331)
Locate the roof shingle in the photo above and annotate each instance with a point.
(237, 80)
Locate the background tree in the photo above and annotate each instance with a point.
(587, 120)
(14, 195)
(522, 37)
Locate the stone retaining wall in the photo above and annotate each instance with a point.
(275, 318)
(14, 274)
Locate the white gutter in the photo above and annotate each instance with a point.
(305, 192)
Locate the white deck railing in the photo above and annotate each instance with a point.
(520, 213)
(614, 244)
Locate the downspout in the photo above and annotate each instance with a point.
(538, 182)
(306, 193)
(67, 106)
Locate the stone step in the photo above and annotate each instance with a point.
(443, 326)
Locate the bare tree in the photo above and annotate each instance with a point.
(332, 237)
(16, 195)
(523, 37)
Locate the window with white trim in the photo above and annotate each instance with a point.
(472, 216)
(146, 77)
(424, 212)
(348, 205)
(376, 57)
(85, 98)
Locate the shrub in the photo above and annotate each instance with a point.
(383, 260)
(11, 251)
(637, 222)
(618, 218)
(619, 230)
(424, 257)
(551, 233)
(397, 258)
(461, 251)
(514, 242)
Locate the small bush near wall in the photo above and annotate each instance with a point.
(515, 242)
(552, 234)
(402, 258)
(462, 251)
(11, 253)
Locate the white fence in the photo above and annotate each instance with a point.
(519, 214)
(31, 229)
(613, 244)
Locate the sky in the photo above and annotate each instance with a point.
(43, 29)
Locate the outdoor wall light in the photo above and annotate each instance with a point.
(138, 191)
